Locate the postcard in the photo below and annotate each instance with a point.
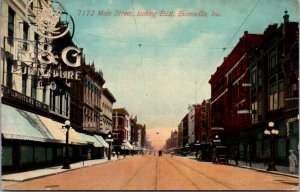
(149, 95)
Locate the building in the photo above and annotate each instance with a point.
(191, 124)
(185, 129)
(107, 101)
(274, 77)
(230, 94)
(35, 91)
(39, 68)
(180, 135)
(121, 130)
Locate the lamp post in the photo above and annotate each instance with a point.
(187, 148)
(66, 162)
(109, 140)
(271, 132)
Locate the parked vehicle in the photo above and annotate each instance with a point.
(220, 155)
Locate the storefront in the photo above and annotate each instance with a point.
(31, 141)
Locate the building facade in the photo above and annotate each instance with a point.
(121, 130)
(274, 91)
(230, 102)
(107, 101)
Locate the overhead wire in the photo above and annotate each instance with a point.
(233, 36)
(140, 45)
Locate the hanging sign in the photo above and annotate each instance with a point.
(48, 18)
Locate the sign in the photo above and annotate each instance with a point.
(48, 18)
(23, 99)
(43, 62)
(243, 111)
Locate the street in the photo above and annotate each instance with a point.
(150, 172)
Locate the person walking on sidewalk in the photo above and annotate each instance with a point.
(236, 157)
(293, 161)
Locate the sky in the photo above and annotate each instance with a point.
(156, 66)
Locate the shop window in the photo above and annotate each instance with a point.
(39, 154)
(26, 155)
(7, 155)
(281, 147)
(59, 152)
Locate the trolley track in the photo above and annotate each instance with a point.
(197, 171)
(139, 170)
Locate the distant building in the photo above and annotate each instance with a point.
(121, 130)
(107, 100)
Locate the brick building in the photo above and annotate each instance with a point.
(230, 103)
(274, 91)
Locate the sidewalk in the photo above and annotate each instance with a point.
(28, 175)
(281, 170)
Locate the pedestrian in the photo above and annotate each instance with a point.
(118, 153)
(293, 161)
(236, 157)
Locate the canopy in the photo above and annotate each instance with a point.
(22, 125)
(102, 141)
(90, 139)
(128, 146)
(57, 130)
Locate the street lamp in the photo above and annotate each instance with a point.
(271, 132)
(109, 140)
(66, 162)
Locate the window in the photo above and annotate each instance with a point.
(276, 96)
(36, 39)
(44, 94)
(25, 35)
(67, 104)
(33, 86)
(293, 92)
(11, 23)
(24, 82)
(272, 58)
(9, 76)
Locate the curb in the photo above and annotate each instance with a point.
(265, 171)
(56, 173)
(270, 172)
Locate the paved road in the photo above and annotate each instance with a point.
(159, 173)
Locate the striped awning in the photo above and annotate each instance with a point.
(22, 125)
(90, 139)
(102, 141)
(57, 130)
(128, 146)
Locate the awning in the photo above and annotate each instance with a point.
(22, 125)
(55, 128)
(102, 141)
(128, 146)
(90, 139)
